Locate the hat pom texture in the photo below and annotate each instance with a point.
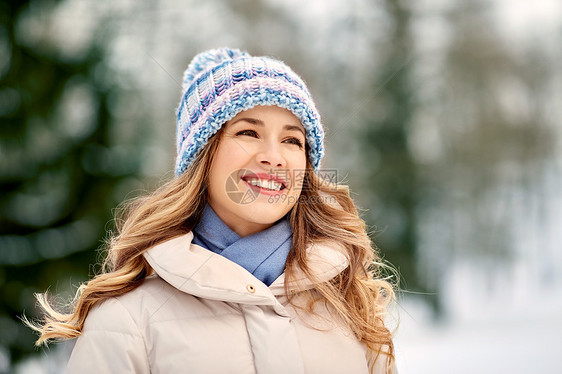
(220, 83)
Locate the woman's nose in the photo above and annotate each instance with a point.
(271, 156)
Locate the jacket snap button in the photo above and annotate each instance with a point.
(251, 288)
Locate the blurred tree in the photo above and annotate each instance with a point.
(62, 163)
(390, 180)
(481, 142)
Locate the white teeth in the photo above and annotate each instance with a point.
(263, 183)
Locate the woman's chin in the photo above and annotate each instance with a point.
(264, 213)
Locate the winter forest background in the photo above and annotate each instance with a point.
(443, 116)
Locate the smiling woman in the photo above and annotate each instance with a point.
(238, 264)
(263, 150)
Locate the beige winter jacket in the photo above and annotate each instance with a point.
(202, 313)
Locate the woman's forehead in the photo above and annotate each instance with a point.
(260, 115)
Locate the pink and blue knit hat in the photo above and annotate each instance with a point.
(220, 83)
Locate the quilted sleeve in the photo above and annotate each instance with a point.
(110, 343)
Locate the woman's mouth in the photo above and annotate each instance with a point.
(265, 186)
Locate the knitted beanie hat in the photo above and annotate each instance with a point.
(220, 83)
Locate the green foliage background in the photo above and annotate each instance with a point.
(58, 186)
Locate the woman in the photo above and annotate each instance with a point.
(246, 262)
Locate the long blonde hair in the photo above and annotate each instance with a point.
(358, 296)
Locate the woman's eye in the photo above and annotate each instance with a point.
(296, 141)
(248, 133)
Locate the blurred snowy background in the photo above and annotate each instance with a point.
(443, 116)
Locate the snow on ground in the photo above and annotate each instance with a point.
(525, 341)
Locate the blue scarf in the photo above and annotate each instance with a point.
(263, 254)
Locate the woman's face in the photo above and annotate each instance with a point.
(257, 173)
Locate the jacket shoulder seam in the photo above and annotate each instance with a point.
(140, 334)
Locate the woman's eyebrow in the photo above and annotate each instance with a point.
(258, 122)
(293, 128)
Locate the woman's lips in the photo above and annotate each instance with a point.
(264, 191)
(279, 177)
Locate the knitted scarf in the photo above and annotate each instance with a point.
(263, 254)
